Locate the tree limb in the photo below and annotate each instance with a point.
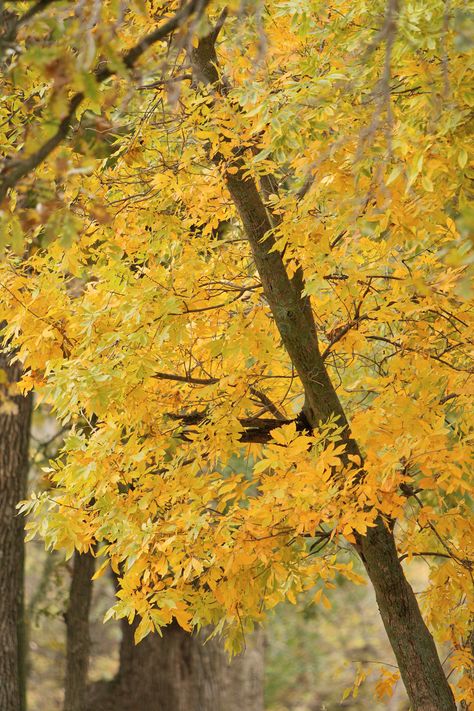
(185, 379)
(257, 430)
(15, 170)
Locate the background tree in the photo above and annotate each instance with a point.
(179, 671)
(78, 637)
(15, 414)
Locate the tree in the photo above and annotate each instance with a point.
(94, 135)
(78, 638)
(277, 254)
(173, 670)
(15, 413)
(179, 671)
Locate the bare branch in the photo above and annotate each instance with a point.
(423, 553)
(402, 347)
(450, 396)
(338, 333)
(130, 58)
(14, 170)
(267, 402)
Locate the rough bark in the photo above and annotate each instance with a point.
(15, 417)
(177, 672)
(411, 641)
(77, 632)
(413, 645)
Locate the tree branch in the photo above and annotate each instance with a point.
(264, 399)
(290, 308)
(257, 430)
(9, 36)
(267, 402)
(130, 58)
(186, 379)
(423, 553)
(15, 170)
(402, 347)
(338, 333)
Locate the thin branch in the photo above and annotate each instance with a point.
(374, 661)
(264, 399)
(433, 356)
(257, 430)
(267, 402)
(339, 333)
(130, 58)
(450, 396)
(164, 82)
(14, 170)
(466, 563)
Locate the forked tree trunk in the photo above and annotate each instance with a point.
(77, 632)
(414, 647)
(177, 672)
(15, 418)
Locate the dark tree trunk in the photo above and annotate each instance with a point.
(77, 632)
(177, 672)
(15, 419)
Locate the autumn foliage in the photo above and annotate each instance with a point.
(132, 290)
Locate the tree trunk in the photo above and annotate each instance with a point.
(177, 672)
(15, 418)
(77, 632)
(411, 641)
(413, 645)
